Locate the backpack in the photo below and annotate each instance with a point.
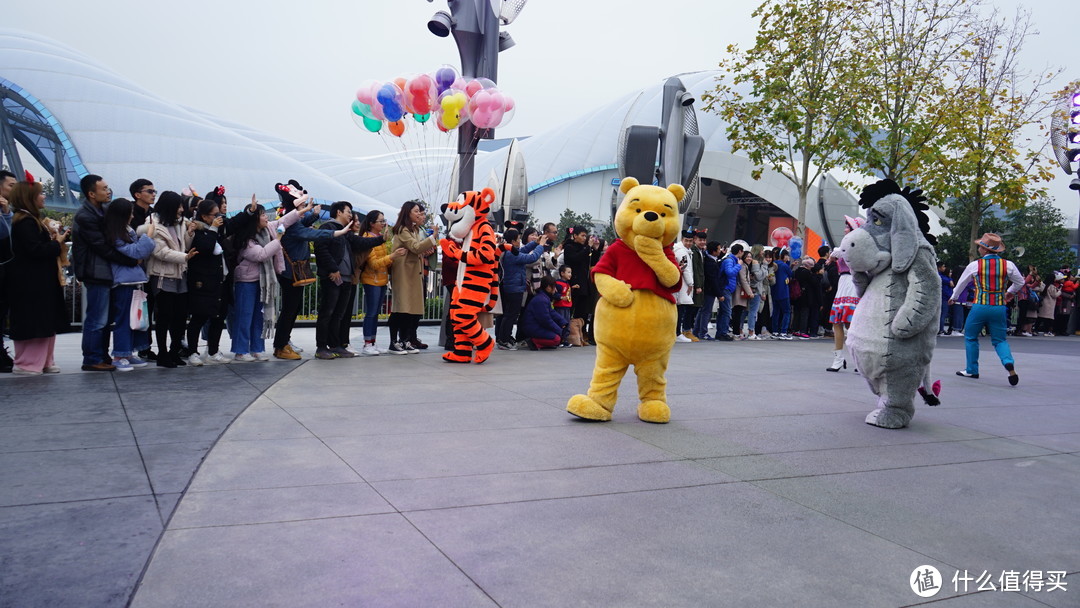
(794, 289)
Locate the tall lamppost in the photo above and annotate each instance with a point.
(475, 26)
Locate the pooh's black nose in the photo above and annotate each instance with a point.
(652, 217)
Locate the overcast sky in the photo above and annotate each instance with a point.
(291, 68)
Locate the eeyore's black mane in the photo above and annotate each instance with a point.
(879, 190)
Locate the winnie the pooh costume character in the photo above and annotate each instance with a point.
(634, 324)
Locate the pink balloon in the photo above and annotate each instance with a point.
(508, 103)
(366, 92)
(473, 87)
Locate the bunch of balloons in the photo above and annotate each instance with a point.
(443, 97)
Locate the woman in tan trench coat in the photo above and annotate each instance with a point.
(407, 277)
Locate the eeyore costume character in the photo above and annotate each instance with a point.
(894, 329)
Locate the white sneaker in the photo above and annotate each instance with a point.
(217, 358)
(195, 360)
(295, 348)
(682, 338)
(25, 372)
(260, 356)
(244, 358)
(52, 369)
(370, 350)
(352, 350)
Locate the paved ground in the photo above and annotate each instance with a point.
(406, 481)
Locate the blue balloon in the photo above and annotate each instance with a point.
(796, 248)
(389, 97)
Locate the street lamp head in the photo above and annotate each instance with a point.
(440, 24)
(1074, 184)
(505, 41)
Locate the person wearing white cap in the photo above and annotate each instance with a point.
(992, 275)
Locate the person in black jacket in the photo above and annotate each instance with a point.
(713, 288)
(206, 276)
(335, 259)
(91, 255)
(34, 288)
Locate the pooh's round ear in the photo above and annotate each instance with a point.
(627, 183)
(678, 191)
(487, 195)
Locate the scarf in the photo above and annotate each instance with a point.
(268, 287)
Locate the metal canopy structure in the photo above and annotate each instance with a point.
(24, 119)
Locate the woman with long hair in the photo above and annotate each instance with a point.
(407, 276)
(168, 269)
(35, 293)
(126, 279)
(577, 255)
(206, 280)
(375, 276)
(845, 301)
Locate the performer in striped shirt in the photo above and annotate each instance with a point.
(996, 282)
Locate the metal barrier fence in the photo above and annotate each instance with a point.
(309, 307)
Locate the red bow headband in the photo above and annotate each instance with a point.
(29, 178)
(220, 191)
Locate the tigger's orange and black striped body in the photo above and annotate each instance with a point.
(477, 287)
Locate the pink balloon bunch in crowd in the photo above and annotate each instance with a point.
(442, 95)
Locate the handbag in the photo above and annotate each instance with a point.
(301, 271)
(140, 311)
(575, 338)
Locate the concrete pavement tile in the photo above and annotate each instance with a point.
(1059, 442)
(52, 408)
(376, 560)
(75, 554)
(180, 430)
(39, 437)
(745, 436)
(442, 492)
(234, 507)
(167, 504)
(448, 416)
(678, 547)
(264, 419)
(63, 475)
(62, 384)
(1057, 598)
(850, 460)
(173, 404)
(271, 463)
(171, 465)
(983, 599)
(975, 516)
(390, 457)
(263, 376)
(291, 396)
(1007, 422)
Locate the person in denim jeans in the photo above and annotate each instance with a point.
(375, 276)
(729, 282)
(91, 259)
(781, 296)
(126, 341)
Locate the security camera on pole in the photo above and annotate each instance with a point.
(475, 26)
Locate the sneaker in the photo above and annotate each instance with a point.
(1026, 334)
(137, 362)
(263, 357)
(963, 374)
(396, 348)
(287, 353)
(245, 358)
(568, 345)
(195, 360)
(342, 353)
(417, 344)
(351, 350)
(123, 365)
(166, 360)
(410, 348)
(689, 335)
(682, 338)
(725, 338)
(51, 369)
(295, 348)
(24, 372)
(218, 358)
(147, 355)
(505, 346)
(803, 336)
(786, 337)
(370, 350)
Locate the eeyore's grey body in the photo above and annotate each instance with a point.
(894, 329)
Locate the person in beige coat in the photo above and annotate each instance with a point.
(1045, 324)
(407, 277)
(743, 295)
(167, 271)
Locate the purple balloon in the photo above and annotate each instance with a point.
(444, 77)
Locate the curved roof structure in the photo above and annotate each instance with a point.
(124, 132)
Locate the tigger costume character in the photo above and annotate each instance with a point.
(472, 243)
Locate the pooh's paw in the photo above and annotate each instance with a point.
(654, 411)
(586, 407)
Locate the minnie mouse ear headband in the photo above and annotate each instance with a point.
(216, 194)
(515, 224)
(284, 194)
(854, 222)
(29, 178)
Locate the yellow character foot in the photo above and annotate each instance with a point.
(586, 407)
(654, 411)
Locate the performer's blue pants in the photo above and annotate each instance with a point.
(993, 319)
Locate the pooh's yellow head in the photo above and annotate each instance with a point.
(649, 211)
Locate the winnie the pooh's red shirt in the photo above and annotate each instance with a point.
(623, 263)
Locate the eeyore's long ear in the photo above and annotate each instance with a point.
(905, 235)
